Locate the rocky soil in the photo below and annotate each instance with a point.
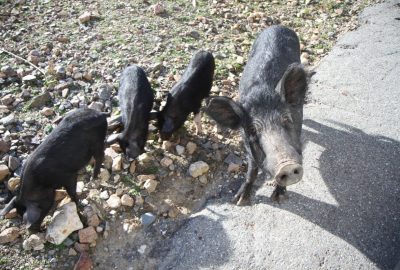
(60, 55)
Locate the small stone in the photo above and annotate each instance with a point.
(46, 111)
(203, 179)
(8, 120)
(72, 252)
(9, 235)
(132, 167)
(98, 106)
(105, 92)
(117, 163)
(81, 247)
(87, 235)
(104, 175)
(191, 147)
(114, 201)
(104, 195)
(232, 158)
(109, 155)
(4, 171)
(34, 242)
(60, 72)
(150, 185)
(8, 71)
(93, 220)
(99, 229)
(85, 17)
(127, 200)
(40, 100)
(29, 78)
(65, 221)
(79, 187)
(4, 148)
(147, 219)
(142, 249)
(167, 145)
(198, 168)
(145, 158)
(179, 149)
(13, 163)
(173, 212)
(158, 9)
(143, 177)
(139, 200)
(7, 99)
(12, 214)
(166, 162)
(84, 262)
(13, 183)
(119, 192)
(194, 34)
(233, 167)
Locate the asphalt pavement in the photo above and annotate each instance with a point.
(345, 213)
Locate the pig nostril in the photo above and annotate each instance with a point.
(284, 177)
(296, 172)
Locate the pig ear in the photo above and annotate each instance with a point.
(225, 112)
(32, 215)
(293, 85)
(113, 138)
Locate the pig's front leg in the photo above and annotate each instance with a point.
(242, 196)
(278, 194)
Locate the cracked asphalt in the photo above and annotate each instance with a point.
(345, 213)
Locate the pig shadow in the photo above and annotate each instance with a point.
(361, 172)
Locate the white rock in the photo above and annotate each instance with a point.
(104, 195)
(79, 187)
(4, 171)
(198, 168)
(166, 161)
(233, 167)
(132, 167)
(114, 201)
(150, 185)
(65, 221)
(13, 183)
(166, 145)
(145, 157)
(117, 163)
(104, 175)
(179, 149)
(9, 235)
(127, 200)
(191, 147)
(85, 17)
(203, 179)
(34, 242)
(47, 111)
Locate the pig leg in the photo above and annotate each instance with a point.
(278, 194)
(243, 194)
(197, 122)
(99, 158)
(71, 188)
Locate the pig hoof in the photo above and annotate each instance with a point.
(279, 194)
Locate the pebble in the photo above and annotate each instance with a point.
(191, 147)
(84, 262)
(132, 167)
(167, 145)
(114, 201)
(8, 120)
(13, 183)
(4, 171)
(81, 247)
(198, 168)
(117, 163)
(203, 179)
(7, 99)
(95, 105)
(233, 167)
(4, 147)
(8, 71)
(150, 185)
(72, 252)
(79, 187)
(145, 158)
(179, 149)
(34, 241)
(147, 219)
(29, 78)
(127, 200)
(40, 100)
(158, 9)
(9, 235)
(12, 214)
(139, 200)
(87, 235)
(142, 249)
(93, 220)
(13, 163)
(104, 195)
(105, 92)
(85, 17)
(166, 162)
(104, 175)
(46, 111)
(232, 158)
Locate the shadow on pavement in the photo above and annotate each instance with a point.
(361, 172)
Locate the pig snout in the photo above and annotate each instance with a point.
(288, 173)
